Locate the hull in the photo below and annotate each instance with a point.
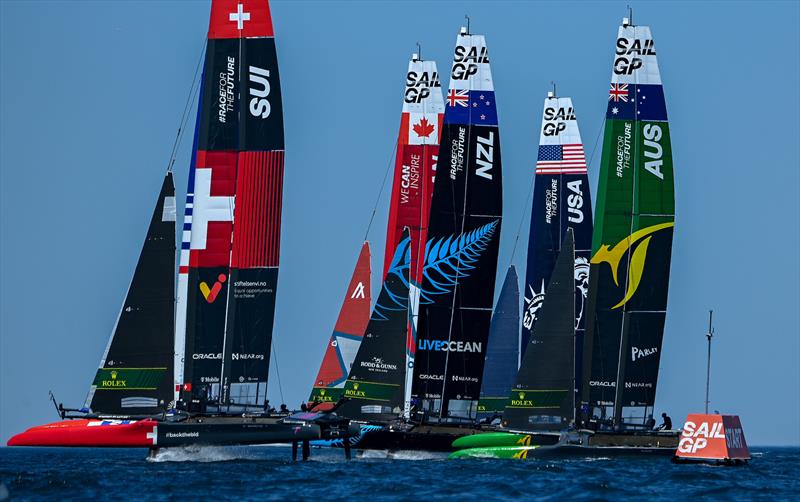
(94, 433)
(437, 438)
(568, 445)
(232, 430)
(504, 439)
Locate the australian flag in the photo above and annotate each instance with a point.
(636, 102)
(470, 107)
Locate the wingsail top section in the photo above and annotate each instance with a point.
(632, 245)
(347, 334)
(132, 381)
(231, 233)
(463, 236)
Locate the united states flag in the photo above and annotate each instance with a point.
(561, 159)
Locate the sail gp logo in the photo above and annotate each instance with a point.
(637, 260)
(210, 293)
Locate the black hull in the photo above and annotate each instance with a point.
(232, 432)
(434, 438)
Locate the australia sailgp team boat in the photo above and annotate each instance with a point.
(611, 410)
(199, 376)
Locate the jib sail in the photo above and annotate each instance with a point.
(502, 354)
(230, 249)
(632, 245)
(347, 334)
(132, 381)
(414, 172)
(543, 396)
(463, 237)
(375, 386)
(561, 200)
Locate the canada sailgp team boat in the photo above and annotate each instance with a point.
(203, 379)
(628, 281)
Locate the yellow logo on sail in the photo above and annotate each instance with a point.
(614, 255)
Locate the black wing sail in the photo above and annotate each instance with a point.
(543, 396)
(135, 374)
(457, 292)
(375, 385)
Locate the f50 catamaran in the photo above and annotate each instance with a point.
(226, 281)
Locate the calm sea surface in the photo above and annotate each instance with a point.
(267, 473)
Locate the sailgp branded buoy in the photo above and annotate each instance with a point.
(712, 438)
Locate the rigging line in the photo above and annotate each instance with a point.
(522, 219)
(277, 371)
(187, 107)
(380, 192)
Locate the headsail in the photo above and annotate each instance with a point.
(632, 245)
(543, 396)
(561, 200)
(502, 354)
(131, 381)
(230, 251)
(463, 237)
(374, 388)
(346, 338)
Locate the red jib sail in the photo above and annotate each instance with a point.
(346, 337)
(231, 235)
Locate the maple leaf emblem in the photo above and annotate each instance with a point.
(424, 128)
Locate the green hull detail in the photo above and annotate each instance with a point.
(492, 439)
(511, 452)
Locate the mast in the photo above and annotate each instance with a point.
(230, 250)
(135, 373)
(632, 244)
(457, 291)
(709, 335)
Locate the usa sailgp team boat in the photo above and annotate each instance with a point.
(628, 282)
(541, 395)
(203, 378)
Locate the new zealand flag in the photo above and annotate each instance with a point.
(470, 107)
(636, 102)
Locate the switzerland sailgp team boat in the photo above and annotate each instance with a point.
(203, 379)
(611, 413)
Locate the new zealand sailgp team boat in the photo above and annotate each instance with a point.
(226, 281)
(457, 289)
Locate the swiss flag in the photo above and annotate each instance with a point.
(240, 19)
(187, 387)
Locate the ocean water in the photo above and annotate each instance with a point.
(267, 473)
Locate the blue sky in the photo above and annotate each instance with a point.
(91, 95)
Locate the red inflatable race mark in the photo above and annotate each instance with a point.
(712, 437)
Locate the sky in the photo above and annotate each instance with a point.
(91, 95)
